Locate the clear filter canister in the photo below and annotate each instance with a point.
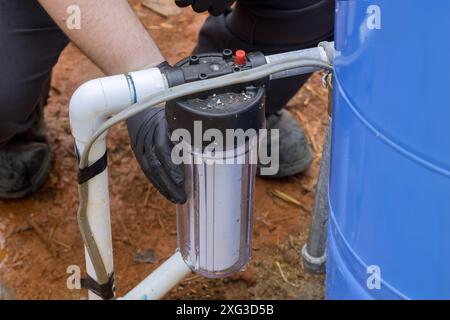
(215, 224)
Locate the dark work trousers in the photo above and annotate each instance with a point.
(30, 45)
(271, 26)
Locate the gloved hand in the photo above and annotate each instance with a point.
(215, 7)
(152, 147)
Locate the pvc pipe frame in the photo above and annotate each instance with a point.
(91, 107)
(160, 281)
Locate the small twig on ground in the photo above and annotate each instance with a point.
(281, 219)
(58, 242)
(306, 187)
(52, 231)
(57, 91)
(62, 244)
(70, 151)
(125, 230)
(287, 198)
(195, 277)
(160, 221)
(147, 197)
(321, 95)
(263, 218)
(42, 236)
(283, 276)
(277, 201)
(145, 256)
(21, 228)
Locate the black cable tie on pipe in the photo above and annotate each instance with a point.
(93, 170)
(105, 291)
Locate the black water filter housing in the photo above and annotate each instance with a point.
(215, 224)
(234, 107)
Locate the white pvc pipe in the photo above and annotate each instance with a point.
(160, 281)
(90, 108)
(91, 105)
(98, 213)
(97, 100)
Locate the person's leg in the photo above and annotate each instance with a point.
(271, 26)
(30, 45)
(274, 26)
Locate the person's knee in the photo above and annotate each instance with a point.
(279, 25)
(18, 108)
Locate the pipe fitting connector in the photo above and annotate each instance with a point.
(313, 264)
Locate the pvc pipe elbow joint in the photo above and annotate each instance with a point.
(96, 100)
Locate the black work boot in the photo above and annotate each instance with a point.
(295, 154)
(25, 161)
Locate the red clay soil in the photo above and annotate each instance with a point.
(39, 236)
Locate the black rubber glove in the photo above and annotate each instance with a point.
(152, 148)
(215, 7)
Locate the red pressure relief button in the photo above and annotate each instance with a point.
(240, 58)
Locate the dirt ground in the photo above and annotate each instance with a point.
(39, 236)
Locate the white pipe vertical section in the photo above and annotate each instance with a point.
(90, 106)
(98, 214)
(160, 281)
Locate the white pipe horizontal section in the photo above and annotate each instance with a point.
(97, 100)
(291, 62)
(91, 105)
(160, 281)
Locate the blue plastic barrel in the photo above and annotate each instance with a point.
(389, 192)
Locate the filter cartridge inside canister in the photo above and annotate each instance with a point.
(214, 225)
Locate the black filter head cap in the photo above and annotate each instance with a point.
(232, 107)
(232, 110)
